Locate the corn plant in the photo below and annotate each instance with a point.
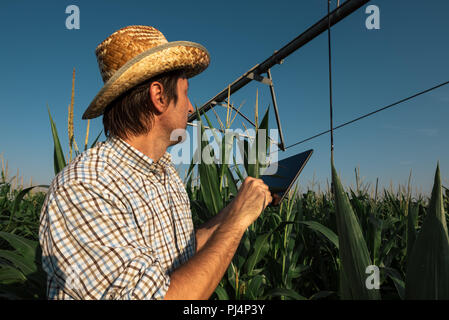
(21, 276)
(21, 273)
(428, 267)
(294, 251)
(269, 242)
(353, 252)
(59, 160)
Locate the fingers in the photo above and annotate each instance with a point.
(267, 200)
(269, 197)
(263, 188)
(257, 187)
(255, 182)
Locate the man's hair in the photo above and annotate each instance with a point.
(132, 113)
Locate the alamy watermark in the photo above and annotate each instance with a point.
(373, 280)
(372, 22)
(73, 20)
(226, 147)
(72, 280)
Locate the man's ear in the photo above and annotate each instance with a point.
(157, 96)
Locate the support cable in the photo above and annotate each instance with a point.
(371, 113)
(330, 78)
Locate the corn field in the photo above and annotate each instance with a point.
(314, 245)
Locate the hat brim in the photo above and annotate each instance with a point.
(189, 56)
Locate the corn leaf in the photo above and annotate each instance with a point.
(375, 237)
(262, 154)
(427, 270)
(224, 148)
(19, 261)
(58, 155)
(210, 189)
(255, 288)
(16, 204)
(27, 248)
(221, 293)
(321, 295)
(412, 220)
(397, 280)
(9, 275)
(353, 252)
(261, 248)
(231, 182)
(328, 233)
(248, 163)
(436, 205)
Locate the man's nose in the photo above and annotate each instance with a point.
(191, 110)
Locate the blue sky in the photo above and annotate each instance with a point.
(371, 68)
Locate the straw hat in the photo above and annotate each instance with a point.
(134, 54)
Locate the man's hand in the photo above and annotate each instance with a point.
(198, 278)
(252, 198)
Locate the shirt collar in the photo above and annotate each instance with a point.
(129, 155)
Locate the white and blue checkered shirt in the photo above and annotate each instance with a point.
(115, 225)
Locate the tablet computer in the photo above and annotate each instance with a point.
(286, 174)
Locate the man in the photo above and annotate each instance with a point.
(116, 222)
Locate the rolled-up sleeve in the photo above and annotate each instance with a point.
(93, 247)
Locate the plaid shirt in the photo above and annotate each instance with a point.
(115, 225)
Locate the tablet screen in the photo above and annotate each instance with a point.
(287, 172)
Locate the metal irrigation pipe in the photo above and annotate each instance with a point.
(334, 17)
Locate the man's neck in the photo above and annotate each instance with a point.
(150, 144)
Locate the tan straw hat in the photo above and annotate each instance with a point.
(134, 54)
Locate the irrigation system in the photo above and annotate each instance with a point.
(255, 73)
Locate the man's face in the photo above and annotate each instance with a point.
(177, 114)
